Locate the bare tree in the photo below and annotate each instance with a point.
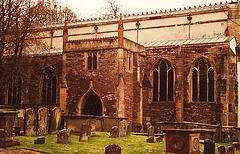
(113, 9)
(20, 20)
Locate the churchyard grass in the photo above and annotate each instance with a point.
(134, 144)
(130, 144)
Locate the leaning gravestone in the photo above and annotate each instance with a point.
(42, 121)
(2, 139)
(112, 149)
(230, 150)
(123, 128)
(92, 127)
(30, 122)
(55, 120)
(114, 132)
(63, 136)
(85, 133)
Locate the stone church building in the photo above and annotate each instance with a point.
(161, 66)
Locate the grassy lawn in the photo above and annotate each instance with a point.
(135, 144)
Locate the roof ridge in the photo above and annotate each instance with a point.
(165, 12)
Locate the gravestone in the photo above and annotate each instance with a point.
(150, 131)
(114, 132)
(112, 149)
(92, 126)
(129, 130)
(230, 150)
(63, 136)
(85, 133)
(148, 124)
(42, 121)
(218, 134)
(159, 139)
(221, 149)
(39, 140)
(123, 128)
(55, 120)
(150, 139)
(236, 146)
(30, 122)
(20, 119)
(2, 139)
(209, 146)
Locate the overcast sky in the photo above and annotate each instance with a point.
(86, 8)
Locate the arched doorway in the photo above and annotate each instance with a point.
(92, 105)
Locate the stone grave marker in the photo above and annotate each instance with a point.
(92, 127)
(30, 122)
(148, 124)
(209, 146)
(85, 133)
(150, 139)
(129, 130)
(123, 128)
(20, 119)
(2, 139)
(221, 149)
(63, 136)
(114, 132)
(230, 150)
(42, 121)
(55, 120)
(39, 140)
(112, 149)
(159, 139)
(150, 131)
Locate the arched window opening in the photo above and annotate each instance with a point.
(92, 61)
(203, 82)
(49, 86)
(15, 91)
(163, 77)
(92, 105)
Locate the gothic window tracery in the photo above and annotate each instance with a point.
(203, 81)
(92, 61)
(49, 86)
(15, 91)
(163, 77)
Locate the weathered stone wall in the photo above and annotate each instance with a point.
(30, 69)
(222, 60)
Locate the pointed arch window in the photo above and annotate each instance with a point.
(49, 86)
(163, 77)
(203, 82)
(15, 91)
(92, 61)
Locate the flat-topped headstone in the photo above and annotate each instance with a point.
(55, 120)
(129, 130)
(221, 149)
(63, 136)
(31, 122)
(42, 121)
(209, 146)
(2, 139)
(112, 149)
(150, 131)
(123, 128)
(114, 132)
(85, 133)
(40, 140)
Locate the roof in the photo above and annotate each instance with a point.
(199, 8)
(185, 42)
